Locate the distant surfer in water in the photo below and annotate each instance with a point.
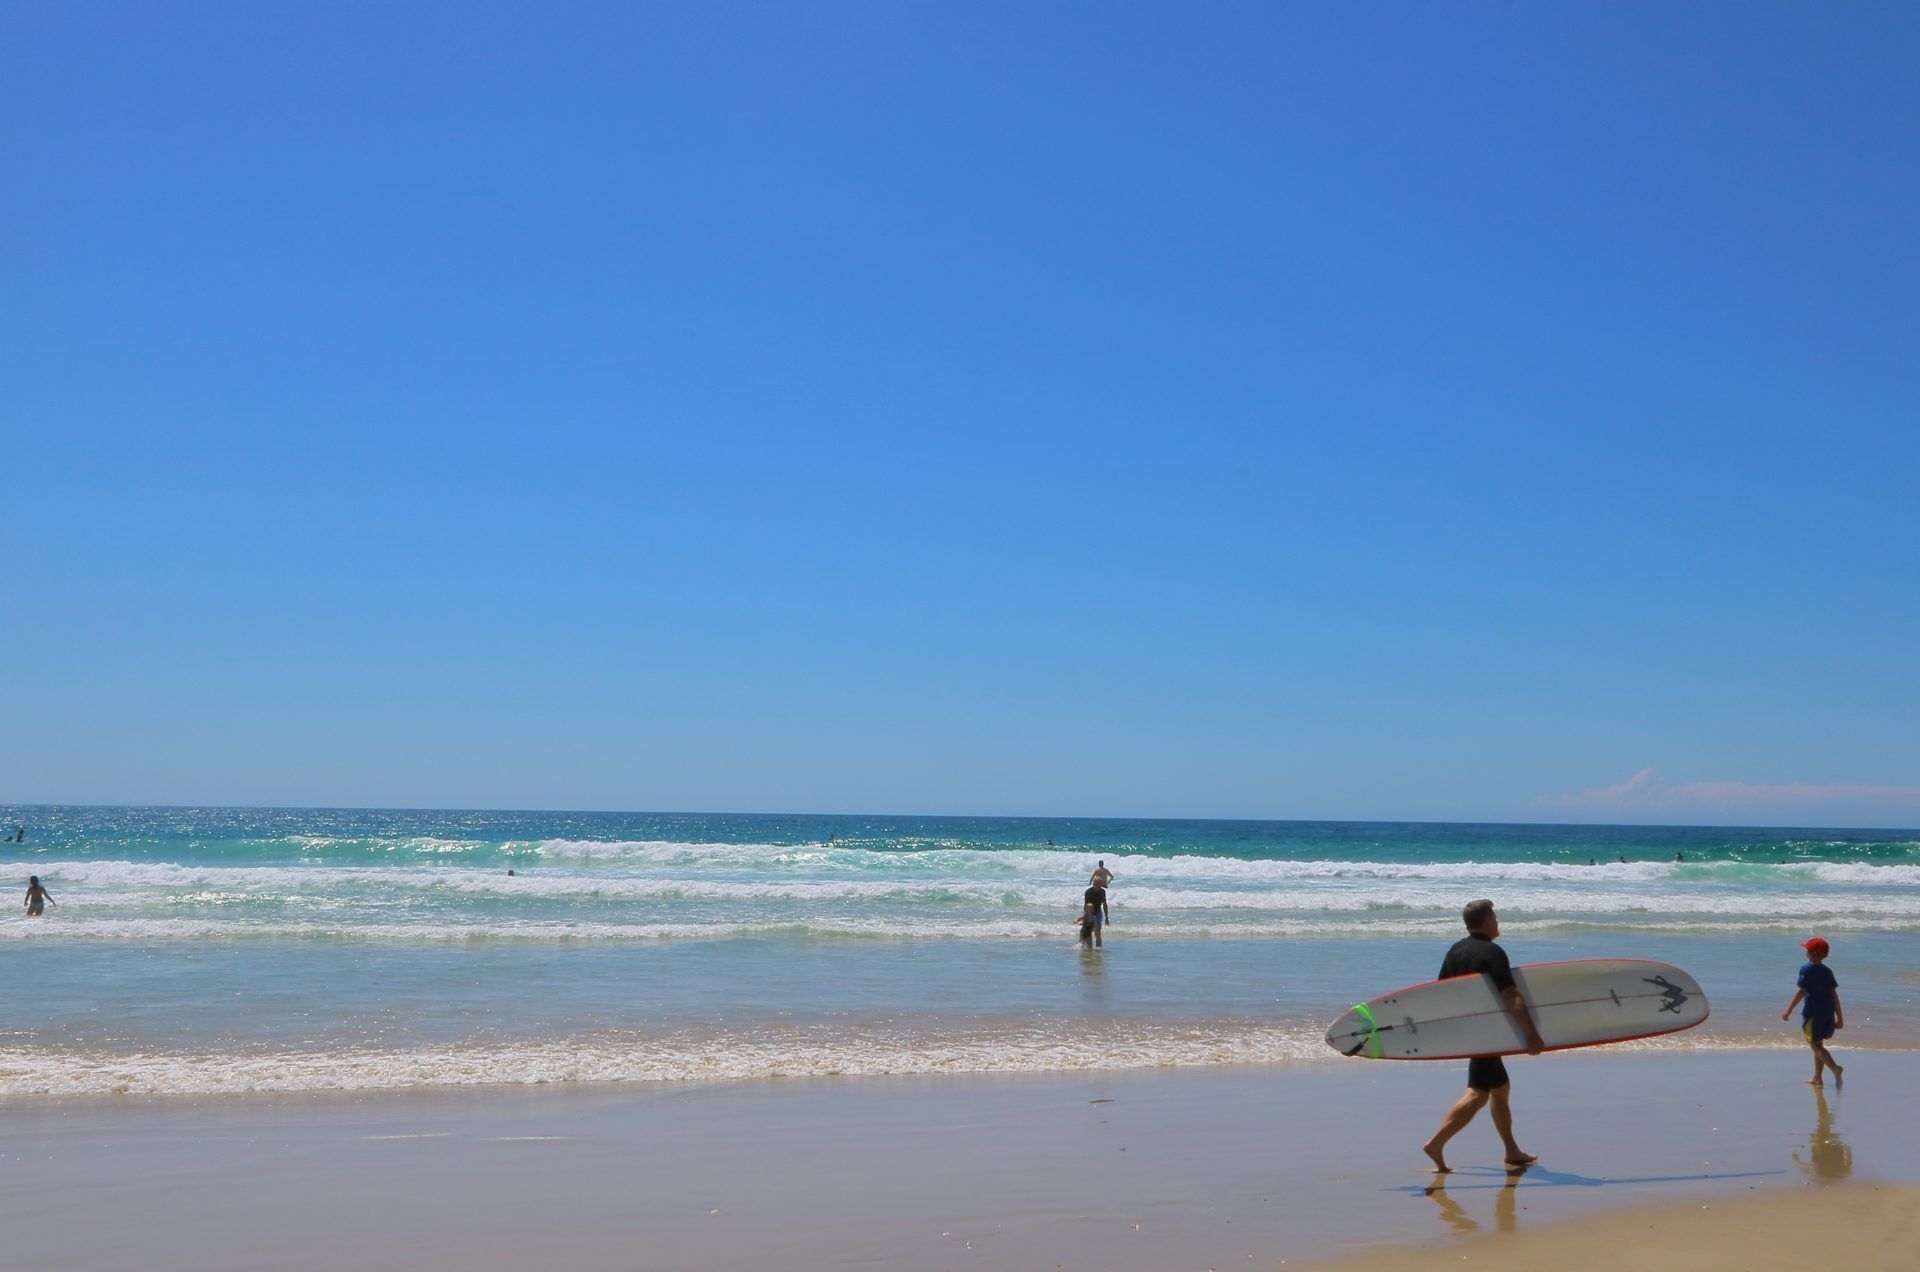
(37, 897)
(1486, 1075)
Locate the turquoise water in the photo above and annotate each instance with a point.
(230, 949)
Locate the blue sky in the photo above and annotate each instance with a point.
(1237, 410)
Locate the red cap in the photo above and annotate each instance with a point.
(1815, 945)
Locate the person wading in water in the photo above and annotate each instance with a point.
(37, 897)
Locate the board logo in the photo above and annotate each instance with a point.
(1671, 995)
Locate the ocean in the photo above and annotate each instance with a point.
(209, 950)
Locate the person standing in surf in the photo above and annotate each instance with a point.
(1089, 920)
(37, 896)
(1101, 878)
(1093, 914)
(1487, 1082)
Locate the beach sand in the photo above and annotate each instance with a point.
(1854, 1226)
(1163, 1169)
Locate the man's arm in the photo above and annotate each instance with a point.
(1839, 1012)
(1798, 994)
(1516, 1004)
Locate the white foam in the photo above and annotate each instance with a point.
(1062, 865)
(765, 1053)
(1851, 872)
(630, 1058)
(673, 852)
(56, 928)
(1068, 866)
(649, 890)
(584, 861)
(422, 844)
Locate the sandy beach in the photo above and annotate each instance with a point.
(1856, 1225)
(1254, 1166)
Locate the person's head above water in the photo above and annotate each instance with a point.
(33, 881)
(1480, 918)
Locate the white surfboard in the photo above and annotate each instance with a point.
(1584, 1003)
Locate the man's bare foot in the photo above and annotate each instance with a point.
(1839, 1076)
(1815, 1082)
(1439, 1161)
(1522, 1161)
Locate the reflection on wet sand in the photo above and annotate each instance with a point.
(1828, 1158)
(1505, 1207)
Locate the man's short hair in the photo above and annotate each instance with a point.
(1476, 914)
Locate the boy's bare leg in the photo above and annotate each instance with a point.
(1456, 1121)
(1503, 1123)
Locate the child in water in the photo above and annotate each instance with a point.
(1822, 1015)
(37, 896)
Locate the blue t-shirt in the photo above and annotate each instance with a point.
(1821, 988)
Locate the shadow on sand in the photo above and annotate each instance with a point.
(1538, 1176)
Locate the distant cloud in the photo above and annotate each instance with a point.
(1647, 793)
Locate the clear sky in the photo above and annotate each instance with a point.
(1295, 410)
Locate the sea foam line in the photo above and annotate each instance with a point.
(630, 1058)
(966, 867)
(136, 928)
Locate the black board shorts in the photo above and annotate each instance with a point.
(1486, 1073)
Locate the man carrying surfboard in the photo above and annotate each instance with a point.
(1487, 1082)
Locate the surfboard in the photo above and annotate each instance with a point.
(1583, 1003)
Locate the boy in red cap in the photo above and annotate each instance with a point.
(1822, 1014)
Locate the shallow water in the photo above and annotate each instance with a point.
(223, 949)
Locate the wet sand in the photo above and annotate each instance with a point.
(1194, 1168)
